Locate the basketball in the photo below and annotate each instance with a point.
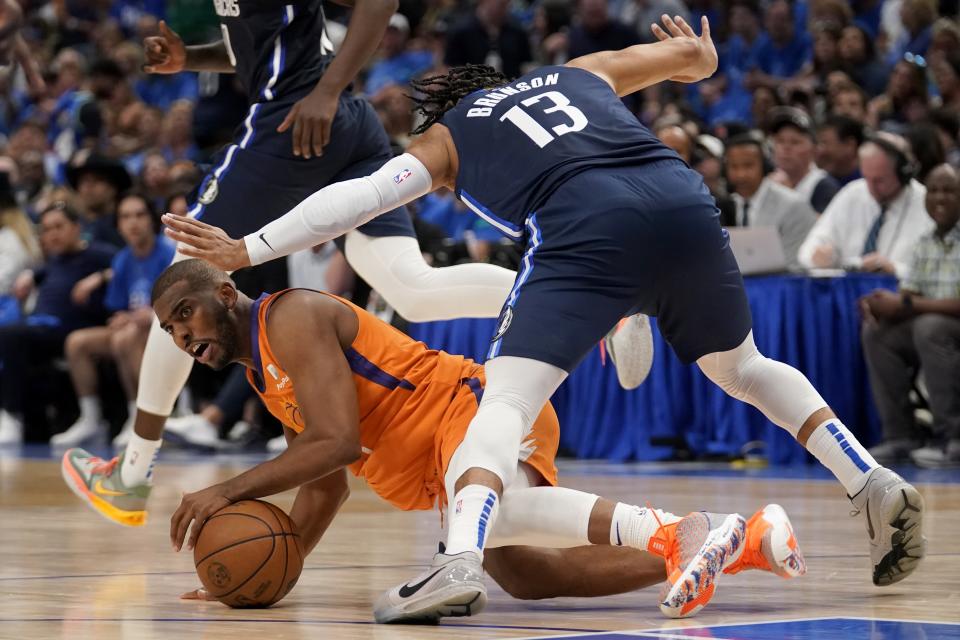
(248, 554)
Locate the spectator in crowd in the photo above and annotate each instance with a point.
(595, 30)
(946, 75)
(762, 202)
(128, 283)
(947, 122)
(677, 138)
(851, 101)
(918, 330)
(39, 338)
(18, 245)
(782, 51)
(794, 148)
(638, 15)
(927, 148)
(874, 222)
(551, 22)
(397, 64)
(490, 36)
(859, 57)
(98, 181)
(765, 99)
(905, 99)
(176, 135)
(946, 39)
(917, 17)
(724, 97)
(838, 148)
(826, 59)
(394, 110)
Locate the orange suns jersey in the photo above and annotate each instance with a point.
(414, 404)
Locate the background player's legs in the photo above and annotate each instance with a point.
(83, 348)
(395, 267)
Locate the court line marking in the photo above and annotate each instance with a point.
(179, 573)
(300, 621)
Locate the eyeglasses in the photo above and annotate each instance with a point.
(918, 60)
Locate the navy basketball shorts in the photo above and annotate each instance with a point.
(615, 241)
(258, 179)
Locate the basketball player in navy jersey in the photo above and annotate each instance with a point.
(613, 221)
(304, 129)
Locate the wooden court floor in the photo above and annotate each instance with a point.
(67, 573)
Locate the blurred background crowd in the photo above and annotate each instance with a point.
(784, 134)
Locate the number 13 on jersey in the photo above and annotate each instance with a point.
(534, 130)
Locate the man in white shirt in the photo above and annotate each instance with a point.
(874, 222)
(794, 148)
(761, 202)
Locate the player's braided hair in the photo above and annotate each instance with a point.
(442, 93)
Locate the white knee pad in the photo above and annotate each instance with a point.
(782, 393)
(516, 390)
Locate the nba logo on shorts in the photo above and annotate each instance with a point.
(403, 175)
(209, 191)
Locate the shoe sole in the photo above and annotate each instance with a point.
(456, 600)
(98, 504)
(903, 511)
(696, 585)
(788, 558)
(632, 364)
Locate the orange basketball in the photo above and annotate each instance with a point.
(248, 554)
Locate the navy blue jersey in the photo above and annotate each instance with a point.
(518, 143)
(278, 49)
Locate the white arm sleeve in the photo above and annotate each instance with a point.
(340, 207)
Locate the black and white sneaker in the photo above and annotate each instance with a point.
(894, 512)
(452, 586)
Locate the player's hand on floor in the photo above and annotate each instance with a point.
(200, 240)
(197, 594)
(311, 119)
(195, 507)
(165, 53)
(706, 62)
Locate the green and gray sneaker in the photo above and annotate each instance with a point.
(97, 482)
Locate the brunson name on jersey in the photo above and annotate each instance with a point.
(484, 104)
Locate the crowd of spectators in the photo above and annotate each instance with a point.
(825, 120)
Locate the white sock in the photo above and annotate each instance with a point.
(90, 410)
(137, 467)
(839, 450)
(472, 514)
(633, 526)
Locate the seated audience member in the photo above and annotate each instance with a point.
(917, 17)
(782, 50)
(677, 138)
(18, 244)
(838, 148)
(98, 181)
(858, 53)
(906, 98)
(490, 36)
(849, 100)
(128, 283)
(397, 64)
(39, 338)
(918, 329)
(874, 222)
(793, 155)
(761, 202)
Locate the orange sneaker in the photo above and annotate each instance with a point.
(771, 545)
(695, 555)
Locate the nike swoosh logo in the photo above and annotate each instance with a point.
(869, 522)
(619, 542)
(99, 488)
(408, 590)
(265, 241)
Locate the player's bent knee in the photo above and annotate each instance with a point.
(504, 567)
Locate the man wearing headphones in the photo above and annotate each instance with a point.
(762, 202)
(874, 222)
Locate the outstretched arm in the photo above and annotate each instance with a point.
(681, 56)
(328, 213)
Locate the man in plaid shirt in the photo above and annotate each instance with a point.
(918, 328)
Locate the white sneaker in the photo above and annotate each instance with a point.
(452, 586)
(193, 430)
(11, 430)
(278, 444)
(80, 432)
(894, 512)
(630, 345)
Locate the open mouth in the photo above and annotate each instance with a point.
(198, 349)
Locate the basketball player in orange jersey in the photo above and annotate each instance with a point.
(354, 393)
